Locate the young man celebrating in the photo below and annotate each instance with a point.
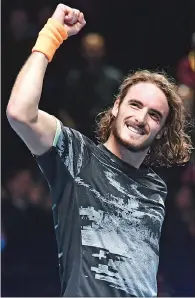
(108, 205)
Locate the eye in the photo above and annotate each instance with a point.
(155, 116)
(134, 105)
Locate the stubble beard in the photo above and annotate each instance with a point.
(128, 145)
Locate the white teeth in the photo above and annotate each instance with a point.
(135, 130)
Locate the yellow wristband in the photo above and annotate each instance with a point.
(50, 38)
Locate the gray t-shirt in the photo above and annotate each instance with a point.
(107, 218)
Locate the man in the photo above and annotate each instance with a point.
(108, 205)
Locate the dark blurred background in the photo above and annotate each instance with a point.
(120, 36)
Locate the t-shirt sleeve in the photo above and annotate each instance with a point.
(68, 155)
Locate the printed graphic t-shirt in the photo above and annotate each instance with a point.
(107, 219)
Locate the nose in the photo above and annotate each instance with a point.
(140, 116)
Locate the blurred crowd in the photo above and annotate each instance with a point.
(27, 239)
(76, 88)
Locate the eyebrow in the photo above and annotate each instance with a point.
(140, 103)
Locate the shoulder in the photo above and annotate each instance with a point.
(72, 134)
(70, 150)
(70, 141)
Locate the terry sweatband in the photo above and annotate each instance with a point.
(50, 38)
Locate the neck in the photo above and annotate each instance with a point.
(134, 159)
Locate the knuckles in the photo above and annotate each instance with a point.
(72, 12)
(62, 6)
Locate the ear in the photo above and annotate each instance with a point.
(116, 107)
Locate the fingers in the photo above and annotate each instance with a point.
(72, 16)
(64, 7)
(81, 19)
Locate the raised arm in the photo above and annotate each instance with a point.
(35, 127)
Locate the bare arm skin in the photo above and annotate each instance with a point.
(35, 127)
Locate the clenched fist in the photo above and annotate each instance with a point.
(72, 19)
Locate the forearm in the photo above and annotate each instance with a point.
(35, 127)
(26, 92)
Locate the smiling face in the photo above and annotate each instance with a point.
(140, 117)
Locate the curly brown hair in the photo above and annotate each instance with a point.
(175, 146)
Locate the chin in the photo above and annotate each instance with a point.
(131, 142)
(132, 145)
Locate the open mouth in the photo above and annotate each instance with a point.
(136, 130)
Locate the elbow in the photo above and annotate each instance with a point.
(16, 115)
(13, 114)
